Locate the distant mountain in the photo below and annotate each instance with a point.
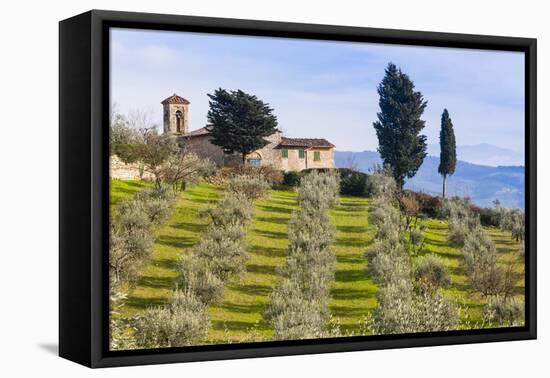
(482, 183)
(483, 154)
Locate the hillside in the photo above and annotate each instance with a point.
(482, 183)
(238, 317)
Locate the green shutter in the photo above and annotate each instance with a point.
(301, 154)
(284, 153)
(317, 156)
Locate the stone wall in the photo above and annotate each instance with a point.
(295, 163)
(201, 146)
(122, 171)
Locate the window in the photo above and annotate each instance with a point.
(179, 116)
(284, 153)
(317, 156)
(301, 154)
(255, 162)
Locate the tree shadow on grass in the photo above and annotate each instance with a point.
(272, 220)
(157, 282)
(144, 303)
(349, 242)
(232, 325)
(352, 229)
(191, 227)
(350, 259)
(275, 209)
(271, 234)
(347, 311)
(204, 200)
(242, 308)
(350, 275)
(254, 290)
(176, 241)
(267, 251)
(262, 269)
(347, 294)
(170, 264)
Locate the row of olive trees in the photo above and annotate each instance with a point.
(484, 273)
(204, 271)
(130, 246)
(298, 305)
(408, 301)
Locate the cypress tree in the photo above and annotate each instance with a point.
(400, 144)
(239, 122)
(447, 143)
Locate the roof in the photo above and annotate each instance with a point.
(305, 142)
(175, 99)
(198, 132)
(285, 142)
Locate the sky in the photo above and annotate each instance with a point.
(322, 89)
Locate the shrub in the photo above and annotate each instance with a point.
(233, 209)
(461, 220)
(292, 316)
(249, 186)
(352, 182)
(157, 202)
(416, 237)
(183, 322)
(480, 259)
(401, 310)
(225, 250)
(319, 190)
(382, 185)
(432, 273)
(197, 276)
(387, 262)
(479, 251)
(504, 313)
(292, 178)
(388, 221)
(130, 242)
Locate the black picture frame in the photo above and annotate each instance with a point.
(84, 185)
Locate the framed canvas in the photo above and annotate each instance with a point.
(235, 188)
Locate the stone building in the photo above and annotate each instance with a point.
(287, 154)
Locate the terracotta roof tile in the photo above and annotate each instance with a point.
(175, 99)
(305, 142)
(198, 132)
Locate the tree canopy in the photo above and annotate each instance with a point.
(447, 143)
(239, 122)
(400, 144)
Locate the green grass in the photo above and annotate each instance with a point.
(120, 190)
(436, 243)
(181, 232)
(353, 292)
(239, 315)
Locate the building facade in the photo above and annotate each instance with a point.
(282, 153)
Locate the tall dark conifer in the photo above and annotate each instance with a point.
(400, 144)
(239, 122)
(447, 144)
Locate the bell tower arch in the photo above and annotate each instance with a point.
(176, 115)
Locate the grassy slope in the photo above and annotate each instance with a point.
(239, 316)
(181, 232)
(123, 190)
(436, 243)
(353, 292)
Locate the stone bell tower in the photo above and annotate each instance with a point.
(176, 115)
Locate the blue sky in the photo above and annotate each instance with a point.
(320, 88)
